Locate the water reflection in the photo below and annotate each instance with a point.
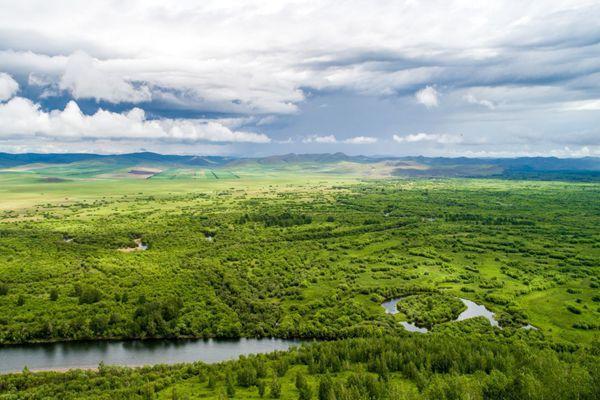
(68, 355)
(391, 307)
(412, 327)
(473, 310)
(476, 310)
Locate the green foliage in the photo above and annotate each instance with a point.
(429, 309)
(89, 295)
(314, 261)
(230, 385)
(284, 219)
(326, 388)
(246, 375)
(303, 387)
(311, 280)
(262, 387)
(424, 366)
(275, 389)
(212, 381)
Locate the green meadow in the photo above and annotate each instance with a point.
(261, 252)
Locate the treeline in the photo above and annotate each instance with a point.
(414, 367)
(488, 219)
(285, 219)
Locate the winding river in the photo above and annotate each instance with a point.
(473, 310)
(69, 355)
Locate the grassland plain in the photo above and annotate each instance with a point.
(305, 256)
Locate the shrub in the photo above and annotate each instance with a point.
(89, 295)
(573, 309)
(275, 391)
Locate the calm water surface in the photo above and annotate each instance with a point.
(473, 310)
(476, 310)
(69, 355)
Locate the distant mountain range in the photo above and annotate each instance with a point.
(587, 168)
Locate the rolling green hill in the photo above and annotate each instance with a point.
(85, 166)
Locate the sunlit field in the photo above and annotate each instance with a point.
(310, 257)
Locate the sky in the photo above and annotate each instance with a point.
(254, 78)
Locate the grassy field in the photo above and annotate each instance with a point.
(292, 256)
(261, 252)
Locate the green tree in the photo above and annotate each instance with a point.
(326, 391)
(99, 324)
(148, 391)
(3, 289)
(305, 392)
(304, 389)
(89, 295)
(275, 389)
(261, 388)
(246, 376)
(53, 294)
(212, 381)
(229, 384)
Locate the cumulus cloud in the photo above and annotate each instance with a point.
(441, 138)
(428, 97)
(20, 117)
(8, 86)
(189, 58)
(361, 140)
(319, 139)
(333, 139)
(84, 78)
(40, 80)
(231, 61)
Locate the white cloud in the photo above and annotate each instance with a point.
(40, 80)
(428, 97)
(582, 105)
(224, 54)
(285, 141)
(584, 151)
(333, 139)
(20, 117)
(565, 152)
(85, 78)
(319, 139)
(441, 138)
(107, 146)
(525, 60)
(471, 99)
(8, 86)
(361, 140)
(268, 120)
